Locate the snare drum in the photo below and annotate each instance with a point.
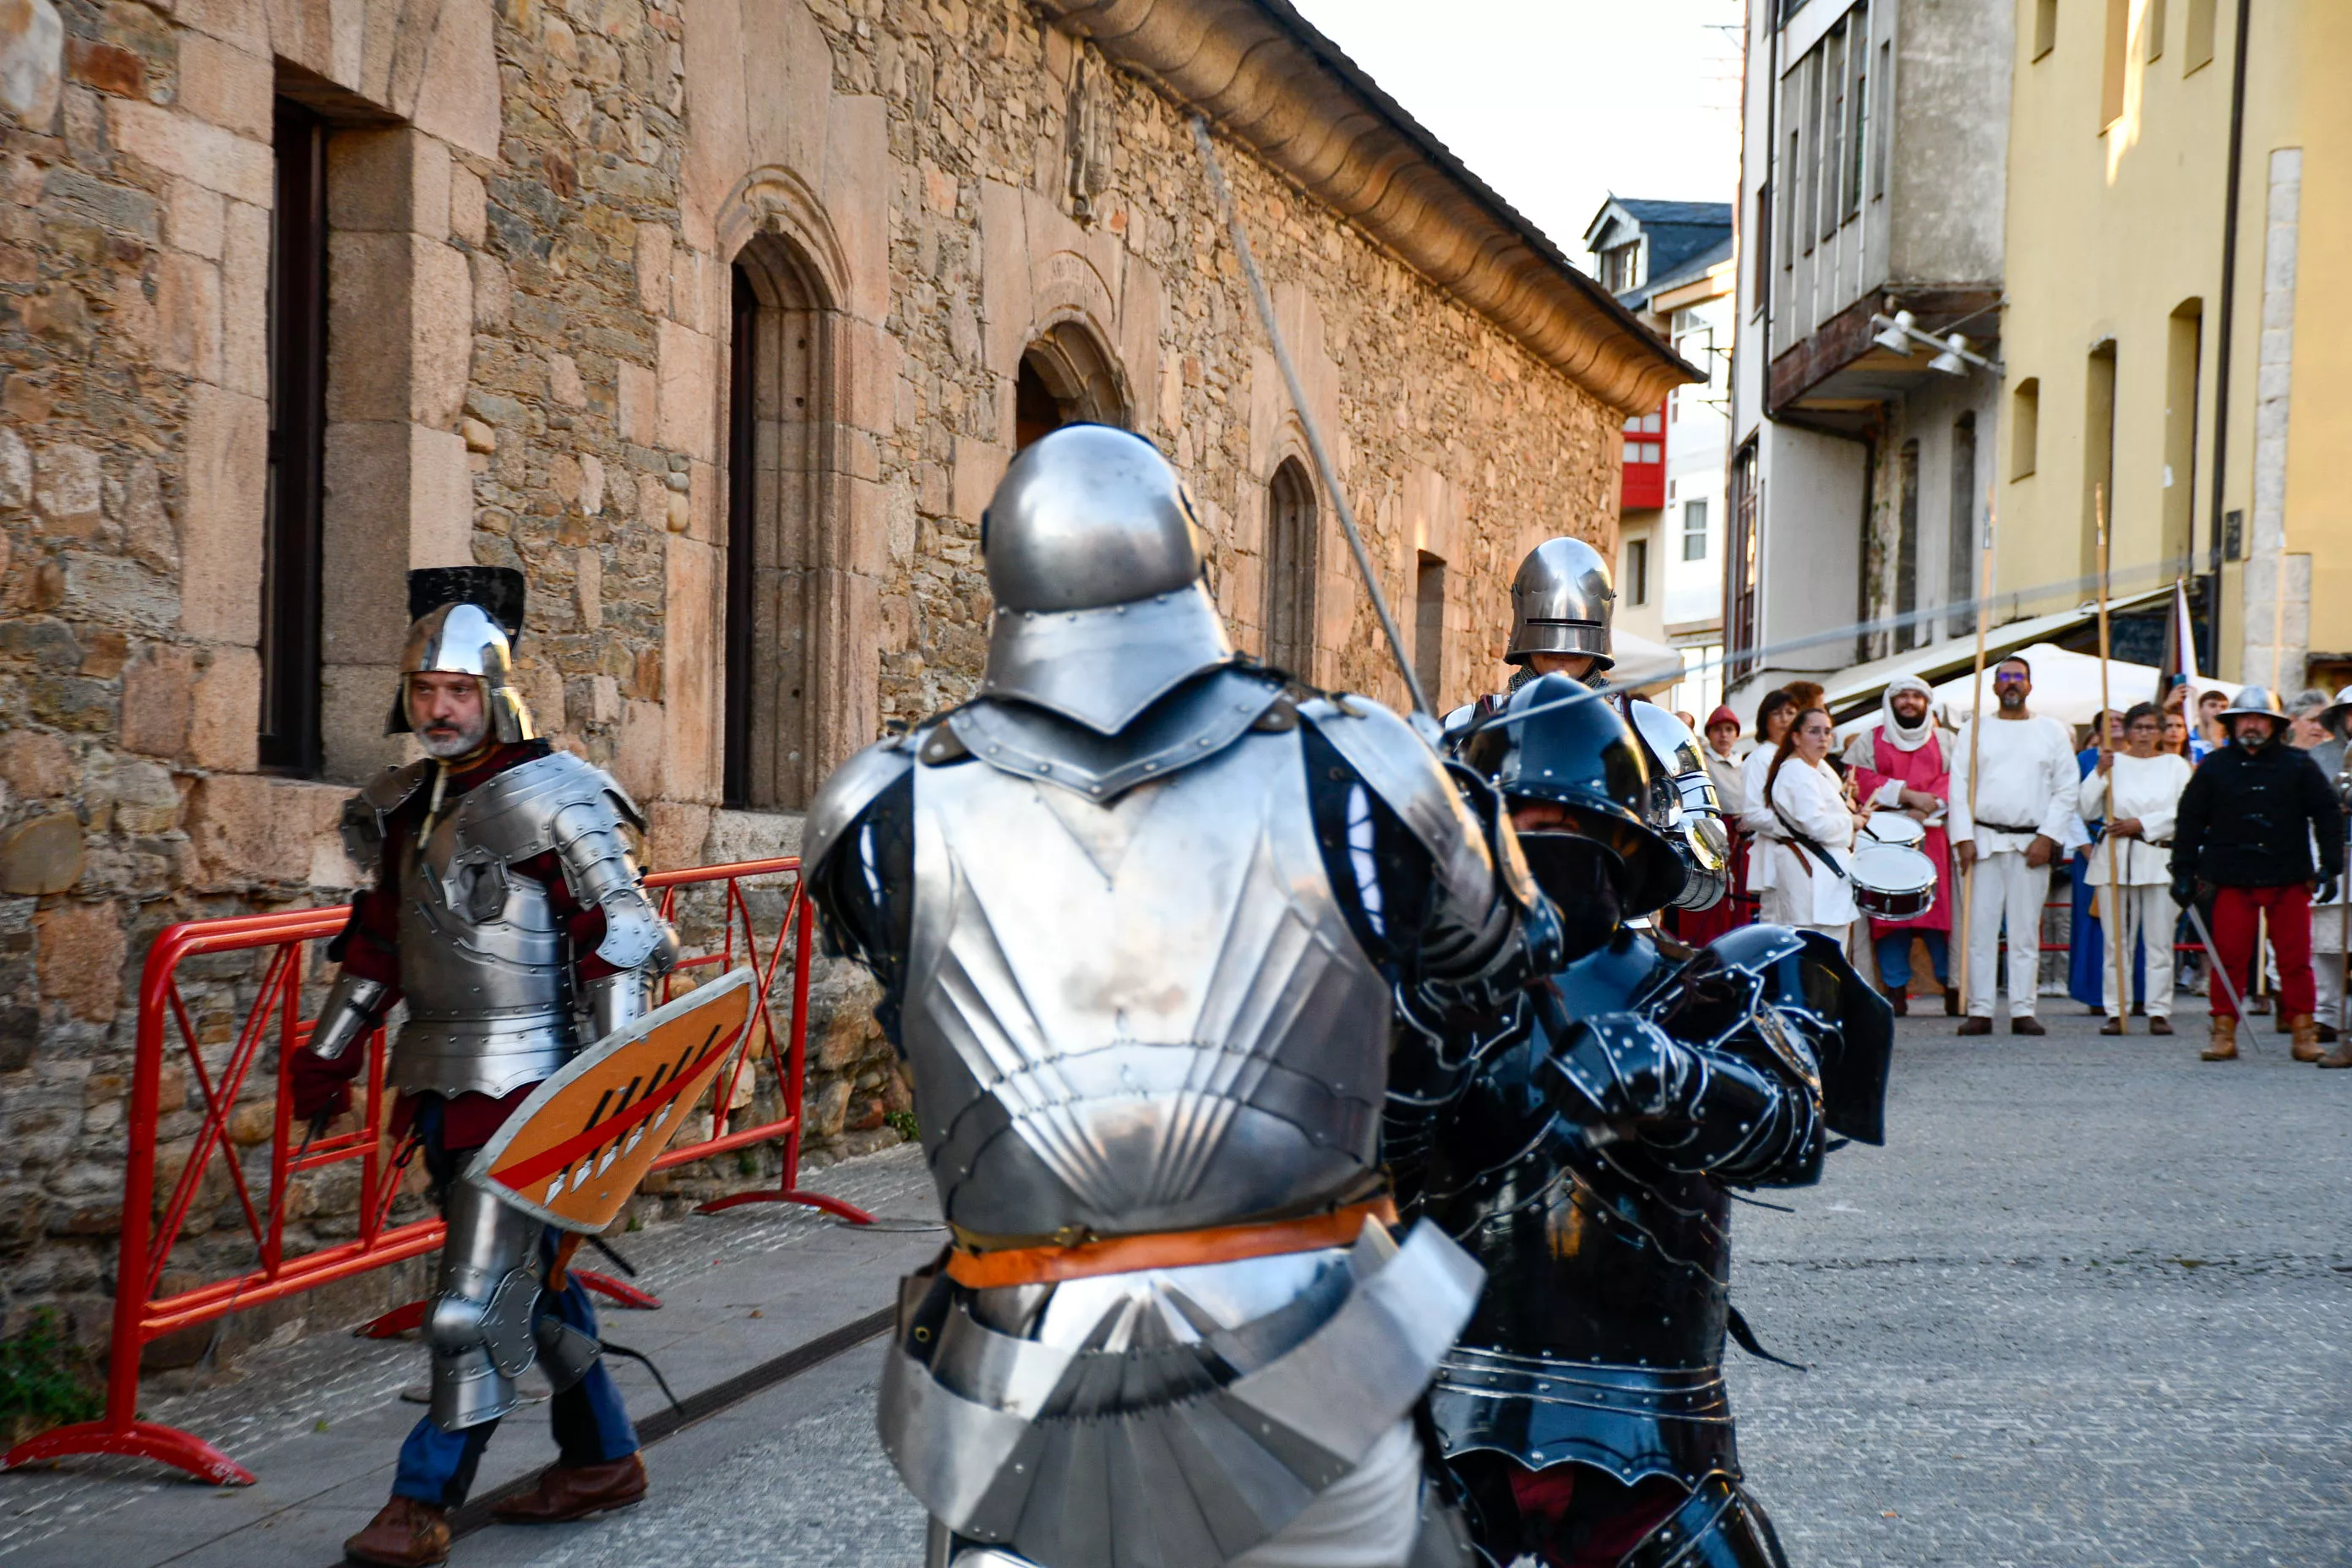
(1897, 827)
(1892, 881)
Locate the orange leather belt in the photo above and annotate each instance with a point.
(1164, 1249)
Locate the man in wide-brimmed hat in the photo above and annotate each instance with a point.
(2250, 822)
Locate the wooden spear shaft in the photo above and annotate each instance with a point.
(1976, 724)
(2115, 920)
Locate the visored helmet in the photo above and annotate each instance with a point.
(1560, 741)
(1560, 602)
(464, 620)
(1096, 560)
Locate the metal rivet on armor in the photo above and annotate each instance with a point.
(1150, 767)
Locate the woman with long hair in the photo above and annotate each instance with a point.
(1809, 826)
(1773, 716)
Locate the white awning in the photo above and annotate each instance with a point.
(1861, 684)
(1641, 665)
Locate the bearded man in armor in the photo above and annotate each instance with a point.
(505, 909)
(1138, 912)
(1587, 1161)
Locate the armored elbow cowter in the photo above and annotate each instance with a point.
(353, 1009)
(597, 865)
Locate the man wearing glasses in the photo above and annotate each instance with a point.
(2010, 822)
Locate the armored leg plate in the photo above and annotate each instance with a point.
(478, 1321)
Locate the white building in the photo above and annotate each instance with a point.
(1675, 264)
(1871, 186)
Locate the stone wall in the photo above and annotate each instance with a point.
(535, 208)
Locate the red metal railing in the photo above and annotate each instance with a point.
(145, 1312)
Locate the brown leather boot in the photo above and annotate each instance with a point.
(405, 1533)
(575, 1492)
(2305, 1030)
(2341, 1056)
(2223, 1046)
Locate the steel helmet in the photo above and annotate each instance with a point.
(1560, 602)
(1560, 741)
(2257, 701)
(1095, 558)
(464, 620)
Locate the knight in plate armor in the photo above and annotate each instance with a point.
(1587, 1161)
(1561, 602)
(1140, 912)
(507, 913)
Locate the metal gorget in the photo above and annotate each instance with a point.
(1139, 1015)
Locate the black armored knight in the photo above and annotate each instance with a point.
(1586, 1154)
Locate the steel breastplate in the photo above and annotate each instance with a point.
(483, 971)
(1600, 1336)
(1147, 1015)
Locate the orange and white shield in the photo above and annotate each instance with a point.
(575, 1150)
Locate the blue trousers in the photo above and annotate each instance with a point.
(591, 1424)
(1894, 953)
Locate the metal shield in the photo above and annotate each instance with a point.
(574, 1152)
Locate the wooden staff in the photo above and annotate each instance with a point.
(2115, 920)
(1976, 725)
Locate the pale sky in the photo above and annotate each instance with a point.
(1559, 103)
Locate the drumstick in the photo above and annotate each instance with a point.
(2106, 755)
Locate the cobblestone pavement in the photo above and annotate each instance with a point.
(2088, 1308)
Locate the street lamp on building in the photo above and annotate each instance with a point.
(1898, 334)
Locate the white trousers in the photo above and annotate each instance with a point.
(2147, 913)
(2326, 968)
(2008, 892)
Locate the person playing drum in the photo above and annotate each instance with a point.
(1903, 763)
(1808, 830)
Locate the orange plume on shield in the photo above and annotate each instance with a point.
(574, 1151)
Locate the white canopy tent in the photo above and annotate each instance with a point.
(2065, 686)
(1642, 666)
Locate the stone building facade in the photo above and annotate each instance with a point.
(721, 319)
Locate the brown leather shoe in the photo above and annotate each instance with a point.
(2223, 1046)
(2341, 1056)
(1901, 1002)
(2028, 1025)
(1952, 1003)
(575, 1492)
(2306, 1038)
(405, 1533)
(2159, 1024)
(1972, 1025)
(2112, 1027)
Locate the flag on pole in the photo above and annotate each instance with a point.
(2179, 666)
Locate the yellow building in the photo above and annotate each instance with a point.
(2179, 311)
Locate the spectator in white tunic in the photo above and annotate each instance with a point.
(1810, 825)
(2145, 784)
(2027, 785)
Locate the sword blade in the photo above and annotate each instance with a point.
(1323, 464)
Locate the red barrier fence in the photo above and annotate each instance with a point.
(145, 1312)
